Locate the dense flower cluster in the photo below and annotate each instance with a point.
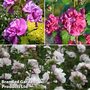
(16, 28)
(34, 12)
(8, 3)
(58, 72)
(51, 24)
(58, 65)
(73, 21)
(55, 68)
(78, 79)
(58, 57)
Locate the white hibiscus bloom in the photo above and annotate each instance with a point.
(81, 48)
(45, 76)
(5, 61)
(33, 62)
(33, 80)
(6, 76)
(4, 53)
(47, 46)
(1, 62)
(58, 72)
(85, 58)
(59, 88)
(71, 54)
(58, 57)
(88, 89)
(78, 78)
(17, 66)
(35, 66)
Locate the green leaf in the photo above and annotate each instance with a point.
(35, 34)
(54, 34)
(81, 38)
(72, 38)
(24, 40)
(88, 18)
(87, 7)
(65, 1)
(65, 36)
(87, 30)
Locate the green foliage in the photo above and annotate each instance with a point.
(81, 38)
(66, 1)
(54, 34)
(87, 7)
(87, 30)
(35, 34)
(24, 40)
(65, 36)
(72, 38)
(88, 18)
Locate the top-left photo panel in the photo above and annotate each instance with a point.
(22, 22)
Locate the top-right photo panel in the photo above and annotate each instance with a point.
(67, 22)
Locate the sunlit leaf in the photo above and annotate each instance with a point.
(65, 36)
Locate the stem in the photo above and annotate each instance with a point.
(76, 39)
(74, 3)
(36, 24)
(53, 8)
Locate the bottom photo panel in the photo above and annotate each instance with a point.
(44, 67)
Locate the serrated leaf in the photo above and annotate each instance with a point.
(65, 36)
(81, 38)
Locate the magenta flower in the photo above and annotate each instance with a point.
(34, 12)
(51, 24)
(58, 39)
(10, 35)
(20, 26)
(74, 21)
(7, 3)
(87, 39)
(16, 28)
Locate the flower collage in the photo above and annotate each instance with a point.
(44, 44)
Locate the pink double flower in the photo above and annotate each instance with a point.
(16, 28)
(73, 21)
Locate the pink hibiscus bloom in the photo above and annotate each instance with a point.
(34, 11)
(16, 28)
(20, 25)
(51, 24)
(74, 21)
(87, 39)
